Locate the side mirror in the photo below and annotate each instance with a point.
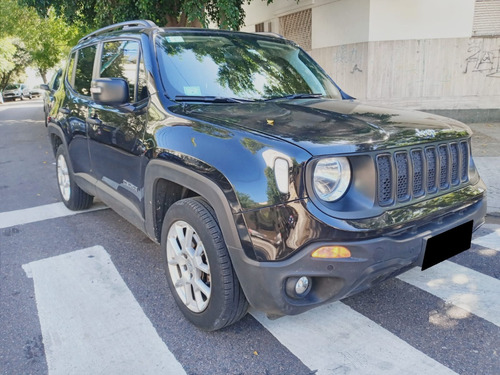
(45, 87)
(109, 91)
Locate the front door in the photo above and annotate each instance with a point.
(116, 132)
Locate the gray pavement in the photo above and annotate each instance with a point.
(486, 152)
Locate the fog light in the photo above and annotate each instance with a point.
(298, 287)
(331, 252)
(302, 285)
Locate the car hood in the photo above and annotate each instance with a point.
(330, 126)
(11, 91)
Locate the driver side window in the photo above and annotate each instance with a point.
(120, 59)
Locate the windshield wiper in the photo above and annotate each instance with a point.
(209, 99)
(297, 96)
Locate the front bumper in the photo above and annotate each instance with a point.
(374, 258)
(11, 96)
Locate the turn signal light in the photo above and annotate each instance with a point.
(331, 252)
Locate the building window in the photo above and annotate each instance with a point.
(297, 27)
(259, 28)
(486, 18)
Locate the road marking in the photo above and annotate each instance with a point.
(470, 290)
(335, 339)
(91, 323)
(39, 213)
(490, 241)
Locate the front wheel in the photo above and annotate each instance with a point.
(198, 267)
(72, 196)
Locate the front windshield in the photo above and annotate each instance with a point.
(242, 66)
(12, 86)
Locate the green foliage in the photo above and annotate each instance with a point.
(92, 14)
(45, 40)
(13, 60)
(7, 51)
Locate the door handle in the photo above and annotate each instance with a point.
(64, 111)
(94, 121)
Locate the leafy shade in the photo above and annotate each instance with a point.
(13, 60)
(50, 43)
(39, 41)
(92, 14)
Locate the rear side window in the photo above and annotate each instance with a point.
(56, 80)
(84, 68)
(120, 60)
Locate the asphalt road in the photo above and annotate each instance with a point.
(86, 294)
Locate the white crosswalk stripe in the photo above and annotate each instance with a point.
(91, 322)
(490, 241)
(335, 339)
(463, 287)
(39, 213)
(84, 306)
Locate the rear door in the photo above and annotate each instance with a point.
(75, 106)
(116, 132)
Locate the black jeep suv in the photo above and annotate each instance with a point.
(264, 183)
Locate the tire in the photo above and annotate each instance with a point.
(200, 275)
(72, 196)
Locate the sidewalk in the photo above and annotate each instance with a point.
(486, 152)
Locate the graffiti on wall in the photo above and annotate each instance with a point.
(482, 60)
(349, 56)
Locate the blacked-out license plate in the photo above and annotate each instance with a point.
(447, 244)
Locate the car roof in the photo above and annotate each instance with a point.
(140, 26)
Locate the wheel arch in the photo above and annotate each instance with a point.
(56, 137)
(167, 182)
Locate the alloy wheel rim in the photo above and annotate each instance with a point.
(63, 177)
(188, 266)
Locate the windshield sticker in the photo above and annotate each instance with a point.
(192, 90)
(175, 39)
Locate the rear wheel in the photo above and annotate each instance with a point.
(199, 270)
(72, 196)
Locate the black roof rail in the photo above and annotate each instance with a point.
(270, 33)
(118, 26)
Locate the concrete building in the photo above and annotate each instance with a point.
(421, 54)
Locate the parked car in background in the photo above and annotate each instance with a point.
(49, 91)
(16, 91)
(263, 182)
(36, 91)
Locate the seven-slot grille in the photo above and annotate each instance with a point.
(409, 174)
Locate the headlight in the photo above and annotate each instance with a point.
(331, 178)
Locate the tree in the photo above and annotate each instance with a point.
(7, 51)
(13, 60)
(92, 14)
(45, 40)
(51, 42)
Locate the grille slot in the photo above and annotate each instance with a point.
(464, 156)
(384, 180)
(443, 166)
(430, 154)
(402, 176)
(454, 164)
(417, 158)
(405, 175)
